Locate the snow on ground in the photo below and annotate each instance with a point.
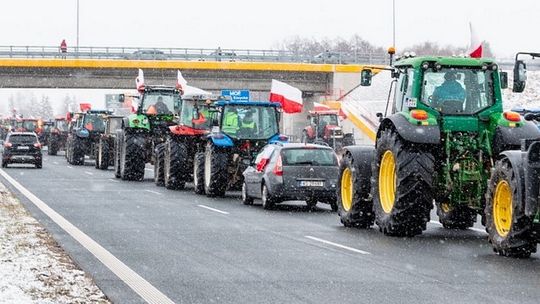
(33, 267)
(530, 98)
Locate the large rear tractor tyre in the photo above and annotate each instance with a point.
(117, 152)
(215, 171)
(402, 182)
(159, 165)
(509, 229)
(354, 205)
(175, 169)
(52, 148)
(132, 158)
(455, 217)
(198, 173)
(102, 159)
(77, 152)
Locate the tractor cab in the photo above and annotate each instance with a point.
(324, 125)
(196, 113)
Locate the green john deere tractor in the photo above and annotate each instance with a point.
(437, 144)
(142, 131)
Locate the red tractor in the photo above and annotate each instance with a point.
(324, 128)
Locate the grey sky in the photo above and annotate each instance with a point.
(260, 24)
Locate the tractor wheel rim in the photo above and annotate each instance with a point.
(387, 181)
(502, 208)
(346, 189)
(446, 207)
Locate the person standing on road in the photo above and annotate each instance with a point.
(63, 48)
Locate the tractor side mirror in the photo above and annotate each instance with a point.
(504, 80)
(278, 113)
(529, 116)
(365, 77)
(380, 116)
(520, 76)
(121, 98)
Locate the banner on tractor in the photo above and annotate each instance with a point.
(289, 96)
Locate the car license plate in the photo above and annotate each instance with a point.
(23, 148)
(311, 183)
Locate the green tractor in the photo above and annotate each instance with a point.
(437, 144)
(157, 110)
(513, 200)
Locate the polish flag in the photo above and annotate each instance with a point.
(289, 96)
(320, 107)
(342, 113)
(475, 49)
(139, 81)
(181, 82)
(85, 107)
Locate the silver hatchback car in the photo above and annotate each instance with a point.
(292, 171)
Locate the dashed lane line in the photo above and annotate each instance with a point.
(154, 192)
(213, 209)
(148, 169)
(113, 180)
(142, 287)
(70, 167)
(55, 162)
(89, 173)
(336, 245)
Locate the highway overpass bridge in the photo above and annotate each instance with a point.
(313, 79)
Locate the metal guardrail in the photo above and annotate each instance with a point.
(134, 53)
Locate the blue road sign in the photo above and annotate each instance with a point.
(236, 95)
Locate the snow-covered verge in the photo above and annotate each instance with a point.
(530, 98)
(33, 267)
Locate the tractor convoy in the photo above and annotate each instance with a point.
(445, 142)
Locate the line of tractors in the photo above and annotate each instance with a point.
(455, 150)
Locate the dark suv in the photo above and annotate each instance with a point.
(22, 148)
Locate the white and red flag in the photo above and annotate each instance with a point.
(139, 81)
(181, 82)
(320, 107)
(475, 49)
(289, 96)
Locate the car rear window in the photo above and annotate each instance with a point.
(308, 156)
(22, 139)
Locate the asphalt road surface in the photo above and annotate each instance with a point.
(194, 249)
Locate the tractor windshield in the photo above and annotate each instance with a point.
(62, 125)
(249, 122)
(458, 91)
(94, 122)
(328, 119)
(29, 125)
(160, 103)
(186, 118)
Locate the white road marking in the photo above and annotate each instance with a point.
(89, 173)
(213, 209)
(155, 192)
(56, 163)
(70, 167)
(148, 169)
(142, 287)
(113, 180)
(472, 228)
(337, 245)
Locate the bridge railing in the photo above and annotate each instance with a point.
(196, 54)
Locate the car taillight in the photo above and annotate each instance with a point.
(8, 145)
(37, 145)
(512, 116)
(278, 169)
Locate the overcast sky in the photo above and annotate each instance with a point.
(260, 24)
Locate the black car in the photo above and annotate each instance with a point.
(22, 148)
(292, 171)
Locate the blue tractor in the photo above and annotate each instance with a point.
(239, 131)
